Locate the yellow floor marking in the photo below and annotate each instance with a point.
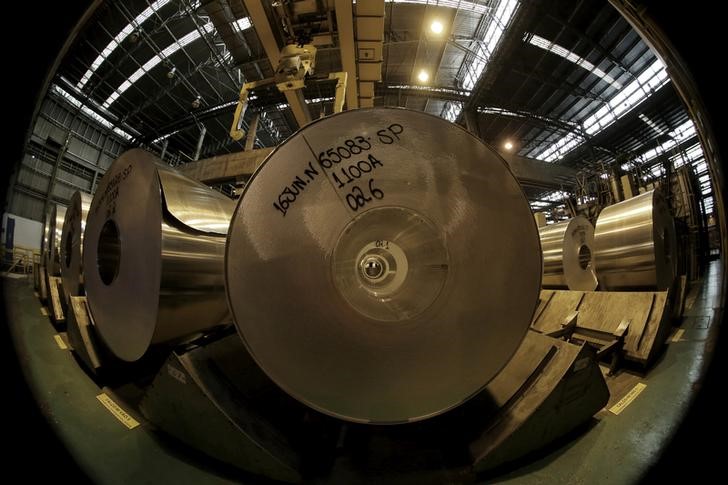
(60, 342)
(678, 335)
(44, 311)
(628, 398)
(116, 410)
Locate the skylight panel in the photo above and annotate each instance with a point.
(650, 80)
(462, 5)
(154, 61)
(89, 112)
(120, 37)
(475, 68)
(545, 44)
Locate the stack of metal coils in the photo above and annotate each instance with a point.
(634, 244)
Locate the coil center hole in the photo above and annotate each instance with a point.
(108, 254)
(585, 256)
(372, 267)
(69, 248)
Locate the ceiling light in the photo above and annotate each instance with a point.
(508, 145)
(423, 76)
(436, 27)
(196, 102)
(171, 72)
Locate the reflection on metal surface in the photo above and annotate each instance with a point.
(567, 255)
(44, 241)
(71, 247)
(382, 265)
(154, 247)
(55, 228)
(634, 244)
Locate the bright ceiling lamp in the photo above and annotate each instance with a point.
(436, 27)
(423, 76)
(120, 37)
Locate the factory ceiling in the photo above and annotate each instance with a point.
(565, 81)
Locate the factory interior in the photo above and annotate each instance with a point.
(382, 241)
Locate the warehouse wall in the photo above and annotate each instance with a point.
(82, 148)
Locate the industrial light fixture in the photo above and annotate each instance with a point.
(508, 145)
(134, 37)
(196, 102)
(171, 72)
(423, 76)
(436, 27)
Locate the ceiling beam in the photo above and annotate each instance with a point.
(272, 50)
(345, 28)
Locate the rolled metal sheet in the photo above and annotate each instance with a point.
(153, 255)
(634, 244)
(382, 265)
(55, 231)
(567, 255)
(71, 246)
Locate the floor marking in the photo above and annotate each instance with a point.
(116, 410)
(60, 342)
(44, 311)
(678, 335)
(628, 398)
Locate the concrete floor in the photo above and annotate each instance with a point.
(615, 448)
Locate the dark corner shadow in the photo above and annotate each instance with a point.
(538, 459)
(202, 461)
(34, 450)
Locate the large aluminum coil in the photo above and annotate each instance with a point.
(55, 230)
(634, 244)
(383, 265)
(153, 255)
(74, 225)
(567, 255)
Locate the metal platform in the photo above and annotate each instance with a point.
(600, 314)
(214, 398)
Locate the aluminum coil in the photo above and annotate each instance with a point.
(383, 265)
(55, 230)
(71, 247)
(567, 255)
(634, 244)
(153, 255)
